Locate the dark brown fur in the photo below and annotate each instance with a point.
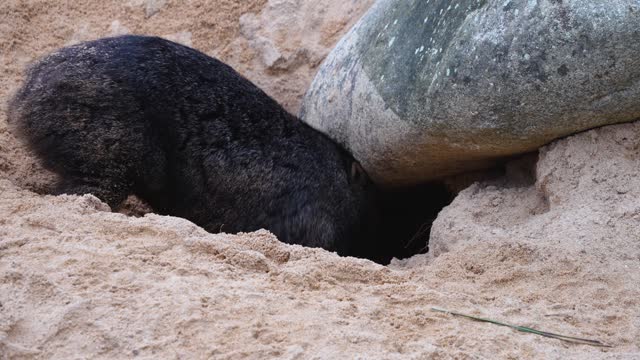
(185, 132)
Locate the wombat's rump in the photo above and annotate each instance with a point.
(192, 137)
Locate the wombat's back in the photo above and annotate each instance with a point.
(135, 73)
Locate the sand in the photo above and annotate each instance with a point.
(553, 243)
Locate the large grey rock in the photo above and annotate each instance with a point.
(421, 89)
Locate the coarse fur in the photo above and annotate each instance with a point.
(192, 137)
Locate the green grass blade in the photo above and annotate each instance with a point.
(528, 330)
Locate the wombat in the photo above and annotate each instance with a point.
(193, 138)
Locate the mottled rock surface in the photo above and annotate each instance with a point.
(423, 89)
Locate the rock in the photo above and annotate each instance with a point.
(81, 32)
(182, 37)
(151, 7)
(419, 90)
(117, 29)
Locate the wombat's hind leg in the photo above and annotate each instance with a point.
(113, 193)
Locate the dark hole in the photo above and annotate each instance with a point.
(407, 213)
(405, 222)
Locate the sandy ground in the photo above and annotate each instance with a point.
(554, 243)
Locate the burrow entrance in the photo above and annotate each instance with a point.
(405, 222)
(407, 214)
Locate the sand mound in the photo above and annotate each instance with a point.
(553, 244)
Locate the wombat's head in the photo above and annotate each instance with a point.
(335, 209)
(362, 210)
(355, 213)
